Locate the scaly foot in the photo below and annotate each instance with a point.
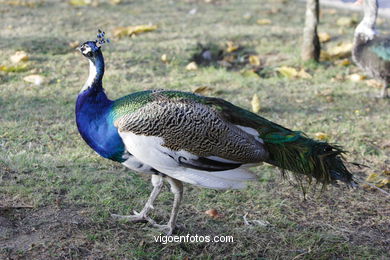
(137, 217)
(167, 229)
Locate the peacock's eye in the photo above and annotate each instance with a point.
(86, 51)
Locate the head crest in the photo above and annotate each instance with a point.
(100, 38)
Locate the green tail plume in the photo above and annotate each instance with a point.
(289, 150)
(299, 154)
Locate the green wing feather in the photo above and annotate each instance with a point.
(130, 103)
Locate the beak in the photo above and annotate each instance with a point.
(78, 49)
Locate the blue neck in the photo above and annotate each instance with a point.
(93, 115)
(93, 93)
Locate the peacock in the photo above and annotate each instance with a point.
(371, 52)
(185, 137)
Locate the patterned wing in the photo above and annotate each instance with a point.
(185, 124)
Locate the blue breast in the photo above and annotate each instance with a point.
(96, 126)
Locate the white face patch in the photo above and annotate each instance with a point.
(86, 49)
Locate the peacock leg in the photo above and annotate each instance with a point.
(177, 190)
(157, 182)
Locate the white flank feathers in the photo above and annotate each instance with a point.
(149, 150)
(138, 166)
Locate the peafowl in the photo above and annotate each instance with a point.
(185, 137)
(371, 52)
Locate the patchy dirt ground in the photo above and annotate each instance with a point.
(336, 224)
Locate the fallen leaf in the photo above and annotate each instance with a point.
(383, 183)
(250, 73)
(203, 90)
(341, 50)
(321, 136)
(19, 56)
(133, 30)
(254, 60)
(213, 213)
(16, 68)
(264, 21)
(192, 66)
(303, 74)
(287, 72)
(255, 103)
(80, 2)
(35, 79)
(343, 62)
(346, 21)
(324, 55)
(373, 177)
(356, 77)
(164, 58)
(26, 3)
(324, 37)
(357, 112)
(290, 72)
(231, 46)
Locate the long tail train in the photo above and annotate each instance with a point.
(301, 155)
(291, 150)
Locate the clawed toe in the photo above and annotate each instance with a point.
(140, 217)
(167, 229)
(176, 189)
(137, 217)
